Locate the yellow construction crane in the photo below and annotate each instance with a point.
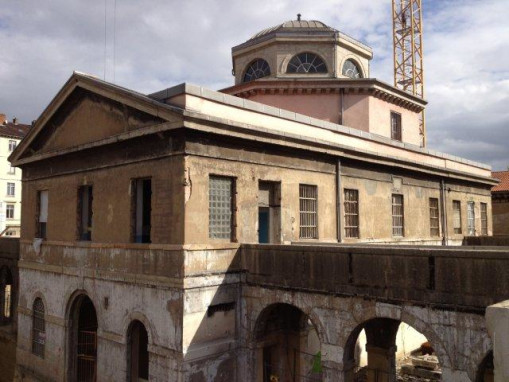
(408, 57)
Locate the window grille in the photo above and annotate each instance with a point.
(38, 328)
(220, 207)
(351, 204)
(484, 219)
(434, 214)
(471, 218)
(306, 63)
(308, 200)
(397, 215)
(9, 211)
(258, 69)
(456, 206)
(11, 189)
(396, 126)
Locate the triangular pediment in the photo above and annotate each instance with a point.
(89, 111)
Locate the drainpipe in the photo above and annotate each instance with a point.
(342, 99)
(443, 204)
(338, 201)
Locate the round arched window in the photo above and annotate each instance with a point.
(306, 63)
(258, 69)
(350, 69)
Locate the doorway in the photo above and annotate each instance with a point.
(269, 212)
(138, 352)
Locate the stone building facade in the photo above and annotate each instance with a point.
(500, 200)
(133, 219)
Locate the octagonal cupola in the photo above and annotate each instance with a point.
(300, 49)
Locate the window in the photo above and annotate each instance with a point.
(11, 191)
(85, 199)
(396, 126)
(398, 228)
(471, 218)
(350, 69)
(484, 219)
(221, 202)
(38, 328)
(456, 207)
(5, 295)
(308, 211)
(12, 145)
(351, 213)
(12, 170)
(141, 209)
(9, 211)
(434, 214)
(306, 63)
(42, 213)
(257, 69)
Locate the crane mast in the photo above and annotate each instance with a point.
(408, 57)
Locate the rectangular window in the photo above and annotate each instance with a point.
(397, 216)
(351, 205)
(221, 207)
(12, 145)
(12, 170)
(42, 213)
(456, 206)
(484, 219)
(85, 198)
(11, 191)
(9, 211)
(471, 218)
(434, 221)
(308, 201)
(396, 126)
(141, 210)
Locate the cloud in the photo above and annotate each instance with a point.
(161, 43)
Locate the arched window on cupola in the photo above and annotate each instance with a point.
(257, 69)
(306, 63)
(351, 69)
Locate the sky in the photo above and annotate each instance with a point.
(151, 45)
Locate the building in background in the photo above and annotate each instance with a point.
(11, 133)
(134, 220)
(500, 202)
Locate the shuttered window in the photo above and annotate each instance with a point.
(484, 219)
(434, 222)
(351, 204)
(471, 218)
(308, 201)
(456, 206)
(397, 216)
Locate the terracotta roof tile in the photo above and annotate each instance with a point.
(503, 176)
(17, 130)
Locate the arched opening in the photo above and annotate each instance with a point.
(351, 69)
(386, 350)
(306, 63)
(38, 328)
(83, 341)
(6, 296)
(138, 358)
(485, 373)
(287, 346)
(258, 68)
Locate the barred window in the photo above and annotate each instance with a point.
(434, 222)
(484, 219)
(38, 328)
(396, 126)
(351, 213)
(456, 206)
(471, 218)
(308, 198)
(397, 215)
(220, 207)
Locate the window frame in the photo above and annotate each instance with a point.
(11, 189)
(214, 210)
(85, 233)
(434, 217)
(41, 225)
(38, 328)
(10, 210)
(355, 64)
(351, 213)
(253, 73)
(307, 200)
(12, 170)
(293, 66)
(134, 212)
(484, 218)
(396, 228)
(456, 210)
(398, 135)
(12, 145)
(471, 218)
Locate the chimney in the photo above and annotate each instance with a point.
(3, 120)
(15, 120)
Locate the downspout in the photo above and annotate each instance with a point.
(338, 201)
(443, 204)
(342, 99)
